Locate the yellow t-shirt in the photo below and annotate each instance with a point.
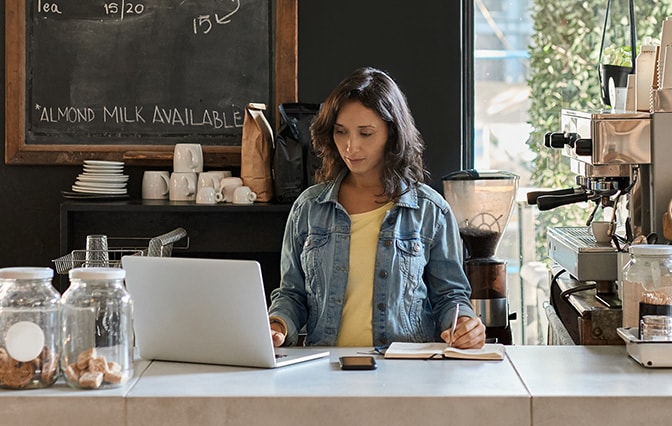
(356, 327)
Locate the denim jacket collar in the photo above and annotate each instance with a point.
(408, 198)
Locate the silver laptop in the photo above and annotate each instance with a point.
(209, 311)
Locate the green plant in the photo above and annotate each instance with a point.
(620, 56)
(564, 53)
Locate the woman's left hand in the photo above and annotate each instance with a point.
(469, 334)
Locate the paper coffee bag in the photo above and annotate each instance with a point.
(256, 152)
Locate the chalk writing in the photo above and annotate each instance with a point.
(46, 7)
(66, 114)
(121, 115)
(204, 23)
(132, 72)
(124, 8)
(161, 115)
(186, 117)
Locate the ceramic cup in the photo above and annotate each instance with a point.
(227, 186)
(188, 157)
(211, 179)
(155, 185)
(243, 195)
(206, 195)
(600, 230)
(630, 94)
(221, 173)
(182, 186)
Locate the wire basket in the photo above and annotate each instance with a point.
(90, 258)
(161, 246)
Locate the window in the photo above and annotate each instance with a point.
(502, 31)
(531, 59)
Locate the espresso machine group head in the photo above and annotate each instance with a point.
(618, 159)
(612, 156)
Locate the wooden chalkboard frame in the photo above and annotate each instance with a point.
(17, 151)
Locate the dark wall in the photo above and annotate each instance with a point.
(418, 43)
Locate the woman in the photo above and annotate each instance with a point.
(371, 255)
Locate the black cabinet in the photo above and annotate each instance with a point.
(214, 231)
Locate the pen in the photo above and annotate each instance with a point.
(452, 331)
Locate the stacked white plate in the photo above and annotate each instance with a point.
(101, 178)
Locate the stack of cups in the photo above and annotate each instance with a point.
(644, 77)
(665, 56)
(233, 191)
(187, 163)
(209, 186)
(188, 181)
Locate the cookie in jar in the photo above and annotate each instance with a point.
(97, 329)
(29, 328)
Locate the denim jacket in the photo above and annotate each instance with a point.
(418, 276)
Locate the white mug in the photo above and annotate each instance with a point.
(600, 231)
(221, 173)
(227, 186)
(155, 185)
(206, 195)
(211, 179)
(188, 157)
(182, 186)
(243, 195)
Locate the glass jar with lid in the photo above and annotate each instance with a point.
(97, 329)
(29, 328)
(647, 279)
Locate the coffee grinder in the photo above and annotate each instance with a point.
(482, 203)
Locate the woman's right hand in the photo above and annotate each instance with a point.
(277, 335)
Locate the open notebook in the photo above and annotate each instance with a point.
(490, 351)
(204, 311)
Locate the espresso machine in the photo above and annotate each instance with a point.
(482, 203)
(618, 159)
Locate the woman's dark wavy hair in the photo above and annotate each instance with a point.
(403, 152)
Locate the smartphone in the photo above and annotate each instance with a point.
(358, 362)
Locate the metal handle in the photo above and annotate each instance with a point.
(534, 195)
(162, 245)
(548, 202)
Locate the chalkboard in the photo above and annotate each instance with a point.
(129, 79)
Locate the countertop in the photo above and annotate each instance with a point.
(534, 385)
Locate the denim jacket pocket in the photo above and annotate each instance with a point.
(411, 258)
(312, 255)
(411, 265)
(313, 258)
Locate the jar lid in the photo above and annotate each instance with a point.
(97, 273)
(651, 249)
(26, 273)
